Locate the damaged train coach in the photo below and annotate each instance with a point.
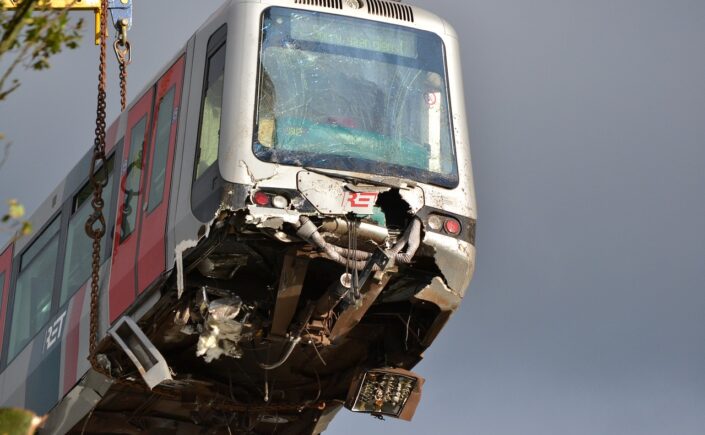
(291, 218)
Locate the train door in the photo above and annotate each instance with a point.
(5, 271)
(122, 274)
(152, 244)
(139, 253)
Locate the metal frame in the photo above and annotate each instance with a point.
(138, 347)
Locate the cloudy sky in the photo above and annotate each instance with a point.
(587, 311)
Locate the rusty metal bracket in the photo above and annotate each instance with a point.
(353, 315)
(378, 260)
(291, 281)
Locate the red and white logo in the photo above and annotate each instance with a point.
(360, 202)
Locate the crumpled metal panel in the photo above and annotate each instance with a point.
(439, 294)
(455, 259)
(331, 196)
(414, 197)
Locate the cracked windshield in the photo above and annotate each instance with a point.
(348, 94)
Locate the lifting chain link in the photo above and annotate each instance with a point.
(123, 51)
(95, 225)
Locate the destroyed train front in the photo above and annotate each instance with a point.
(343, 236)
(327, 233)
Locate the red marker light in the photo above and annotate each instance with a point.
(452, 226)
(260, 198)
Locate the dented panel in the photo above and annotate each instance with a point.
(455, 258)
(337, 197)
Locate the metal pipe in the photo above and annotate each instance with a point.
(365, 231)
(287, 354)
(309, 232)
(333, 295)
(356, 259)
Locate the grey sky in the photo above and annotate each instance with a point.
(587, 312)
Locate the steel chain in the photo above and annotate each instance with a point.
(123, 51)
(123, 85)
(95, 225)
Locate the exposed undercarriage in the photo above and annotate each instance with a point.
(276, 319)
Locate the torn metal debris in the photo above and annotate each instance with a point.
(300, 285)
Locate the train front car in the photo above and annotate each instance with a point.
(330, 228)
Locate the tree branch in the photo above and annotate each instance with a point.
(14, 26)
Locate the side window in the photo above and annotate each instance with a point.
(79, 246)
(161, 149)
(133, 178)
(35, 285)
(211, 103)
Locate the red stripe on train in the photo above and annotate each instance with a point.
(6, 268)
(73, 337)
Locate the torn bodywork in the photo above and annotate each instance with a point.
(293, 301)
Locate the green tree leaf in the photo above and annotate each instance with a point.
(15, 421)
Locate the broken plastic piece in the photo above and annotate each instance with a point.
(144, 355)
(179, 260)
(221, 332)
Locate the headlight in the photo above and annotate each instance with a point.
(280, 201)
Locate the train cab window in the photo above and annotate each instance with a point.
(77, 264)
(35, 285)
(161, 149)
(211, 103)
(133, 177)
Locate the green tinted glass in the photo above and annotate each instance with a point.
(161, 150)
(33, 292)
(133, 175)
(79, 248)
(210, 112)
